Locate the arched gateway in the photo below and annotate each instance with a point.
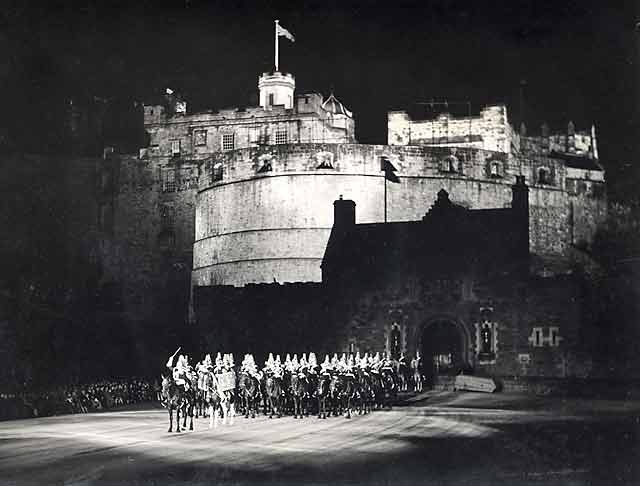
(444, 345)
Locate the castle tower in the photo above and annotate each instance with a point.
(276, 88)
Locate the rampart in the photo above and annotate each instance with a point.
(264, 214)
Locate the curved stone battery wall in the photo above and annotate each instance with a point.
(265, 214)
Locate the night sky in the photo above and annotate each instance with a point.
(580, 60)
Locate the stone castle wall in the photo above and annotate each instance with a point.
(201, 134)
(489, 131)
(266, 213)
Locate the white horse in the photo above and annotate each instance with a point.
(416, 368)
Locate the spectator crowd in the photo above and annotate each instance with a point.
(77, 398)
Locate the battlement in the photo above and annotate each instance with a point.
(465, 163)
(489, 130)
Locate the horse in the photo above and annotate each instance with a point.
(174, 397)
(211, 397)
(389, 387)
(416, 369)
(228, 398)
(403, 375)
(273, 387)
(365, 394)
(312, 390)
(322, 392)
(299, 393)
(348, 392)
(336, 387)
(250, 395)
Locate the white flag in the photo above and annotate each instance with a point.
(284, 32)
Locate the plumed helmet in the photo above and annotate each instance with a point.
(287, 359)
(218, 358)
(312, 359)
(278, 359)
(269, 361)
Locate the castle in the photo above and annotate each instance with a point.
(240, 197)
(265, 177)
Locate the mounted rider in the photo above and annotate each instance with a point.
(313, 363)
(181, 370)
(227, 362)
(273, 367)
(326, 367)
(249, 367)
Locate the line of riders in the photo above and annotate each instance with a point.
(351, 383)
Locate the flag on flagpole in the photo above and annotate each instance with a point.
(387, 167)
(282, 32)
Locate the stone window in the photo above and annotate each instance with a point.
(495, 170)
(167, 240)
(168, 180)
(175, 147)
(451, 164)
(544, 176)
(167, 215)
(271, 99)
(216, 174)
(537, 339)
(254, 135)
(228, 141)
(200, 137)
(281, 137)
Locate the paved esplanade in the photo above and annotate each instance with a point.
(447, 439)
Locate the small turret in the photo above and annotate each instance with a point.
(276, 89)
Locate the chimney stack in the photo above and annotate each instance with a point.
(344, 213)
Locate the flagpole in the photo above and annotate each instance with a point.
(276, 45)
(385, 198)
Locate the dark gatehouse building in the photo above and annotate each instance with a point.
(456, 288)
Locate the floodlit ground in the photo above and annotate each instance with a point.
(445, 438)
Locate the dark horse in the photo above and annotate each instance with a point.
(322, 392)
(249, 394)
(273, 386)
(389, 386)
(364, 393)
(349, 390)
(174, 397)
(299, 391)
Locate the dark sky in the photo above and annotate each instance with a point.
(580, 59)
